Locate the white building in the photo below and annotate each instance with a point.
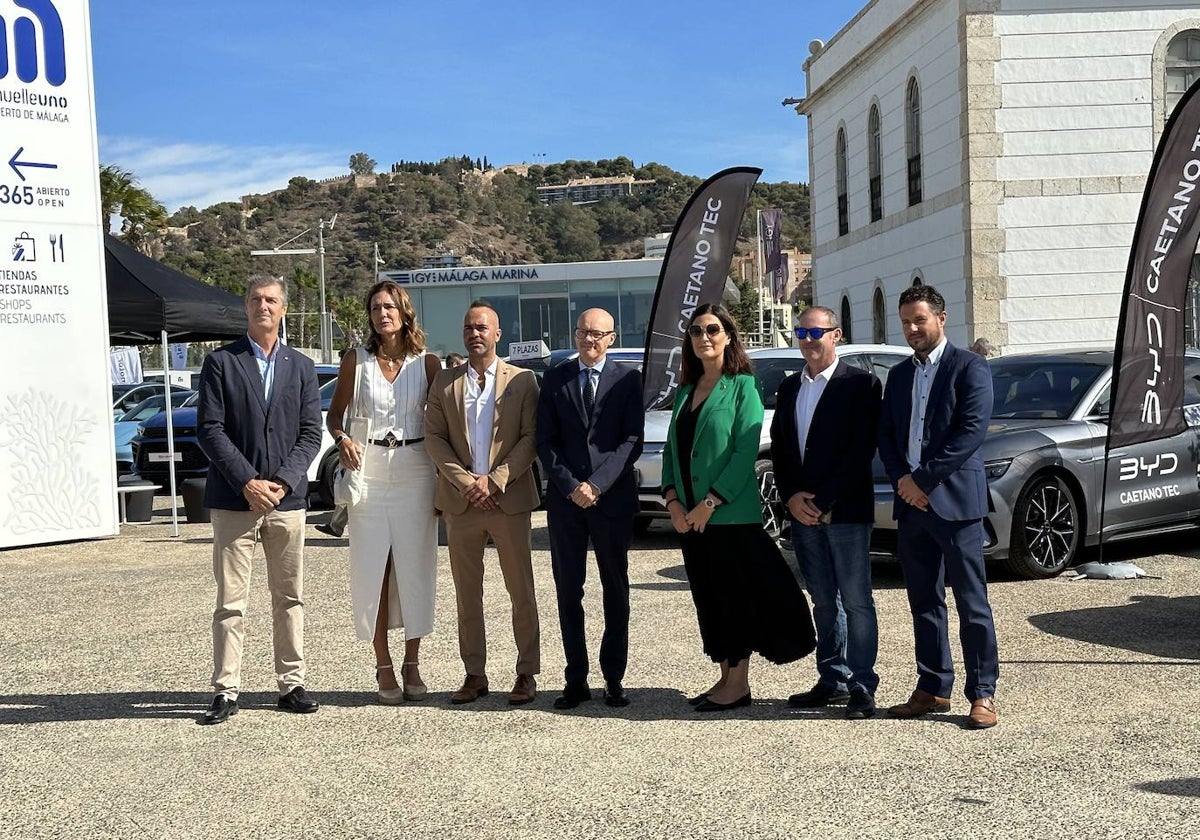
(996, 149)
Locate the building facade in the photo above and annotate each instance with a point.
(533, 301)
(996, 149)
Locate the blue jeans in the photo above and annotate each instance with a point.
(836, 563)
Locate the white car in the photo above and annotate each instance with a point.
(771, 367)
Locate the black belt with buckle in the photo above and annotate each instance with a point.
(391, 441)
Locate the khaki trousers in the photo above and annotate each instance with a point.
(235, 533)
(467, 534)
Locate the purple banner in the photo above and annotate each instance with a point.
(781, 278)
(772, 221)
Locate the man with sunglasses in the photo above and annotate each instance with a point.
(822, 444)
(590, 425)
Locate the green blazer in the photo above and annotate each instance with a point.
(726, 449)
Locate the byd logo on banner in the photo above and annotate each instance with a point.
(24, 39)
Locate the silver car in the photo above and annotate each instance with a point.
(771, 367)
(1044, 456)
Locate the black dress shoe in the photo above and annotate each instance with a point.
(298, 701)
(817, 696)
(221, 710)
(710, 705)
(615, 696)
(698, 699)
(861, 705)
(572, 696)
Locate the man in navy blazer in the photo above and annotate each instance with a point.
(935, 415)
(590, 425)
(822, 445)
(259, 423)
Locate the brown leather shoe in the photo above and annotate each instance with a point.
(473, 687)
(921, 703)
(524, 690)
(983, 714)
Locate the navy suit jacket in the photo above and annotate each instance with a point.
(243, 438)
(602, 451)
(956, 420)
(840, 447)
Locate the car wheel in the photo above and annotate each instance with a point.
(326, 473)
(1045, 529)
(768, 496)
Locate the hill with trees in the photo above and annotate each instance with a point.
(460, 205)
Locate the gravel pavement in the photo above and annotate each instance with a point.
(105, 660)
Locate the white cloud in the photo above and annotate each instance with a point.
(199, 174)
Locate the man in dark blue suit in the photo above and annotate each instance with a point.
(590, 426)
(259, 423)
(934, 420)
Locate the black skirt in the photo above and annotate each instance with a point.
(746, 597)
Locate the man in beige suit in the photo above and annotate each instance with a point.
(479, 431)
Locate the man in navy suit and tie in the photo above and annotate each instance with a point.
(259, 423)
(590, 425)
(822, 445)
(934, 420)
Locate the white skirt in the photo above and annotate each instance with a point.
(394, 514)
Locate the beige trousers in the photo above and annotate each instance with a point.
(235, 533)
(467, 535)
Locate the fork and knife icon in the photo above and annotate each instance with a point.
(57, 248)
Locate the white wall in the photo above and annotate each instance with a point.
(1077, 114)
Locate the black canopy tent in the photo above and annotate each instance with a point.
(149, 302)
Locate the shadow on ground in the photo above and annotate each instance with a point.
(1174, 787)
(1149, 624)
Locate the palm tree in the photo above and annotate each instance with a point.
(142, 217)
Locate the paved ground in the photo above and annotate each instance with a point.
(105, 662)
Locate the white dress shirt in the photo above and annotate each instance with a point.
(811, 390)
(480, 405)
(922, 385)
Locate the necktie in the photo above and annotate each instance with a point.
(589, 392)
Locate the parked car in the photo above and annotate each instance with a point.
(150, 448)
(126, 397)
(771, 367)
(126, 425)
(1044, 459)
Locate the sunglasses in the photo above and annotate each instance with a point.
(695, 330)
(815, 333)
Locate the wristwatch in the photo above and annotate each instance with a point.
(337, 441)
(710, 503)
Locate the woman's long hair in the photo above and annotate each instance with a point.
(736, 360)
(412, 337)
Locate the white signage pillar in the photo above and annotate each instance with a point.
(57, 456)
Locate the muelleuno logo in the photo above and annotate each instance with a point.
(24, 50)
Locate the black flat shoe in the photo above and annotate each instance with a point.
(711, 706)
(698, 699)
(298, 702)
(221, 710)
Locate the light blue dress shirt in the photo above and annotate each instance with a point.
(266, 365)
(922, 385)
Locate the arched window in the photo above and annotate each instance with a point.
(874, 150)
(842, 198)
(912, 139)
(846, 321)
(880, 318)
(1182, 68)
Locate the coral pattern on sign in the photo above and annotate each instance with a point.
(50, 490)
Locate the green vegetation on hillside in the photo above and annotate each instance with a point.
(457, 205)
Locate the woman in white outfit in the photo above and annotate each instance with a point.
(392, 528)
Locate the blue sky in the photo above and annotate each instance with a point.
(208, 101)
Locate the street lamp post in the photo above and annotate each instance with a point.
(326, 332)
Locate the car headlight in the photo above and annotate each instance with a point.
(995, 469)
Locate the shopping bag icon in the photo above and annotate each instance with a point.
(23, 250)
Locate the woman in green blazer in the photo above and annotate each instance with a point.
(712, 494)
